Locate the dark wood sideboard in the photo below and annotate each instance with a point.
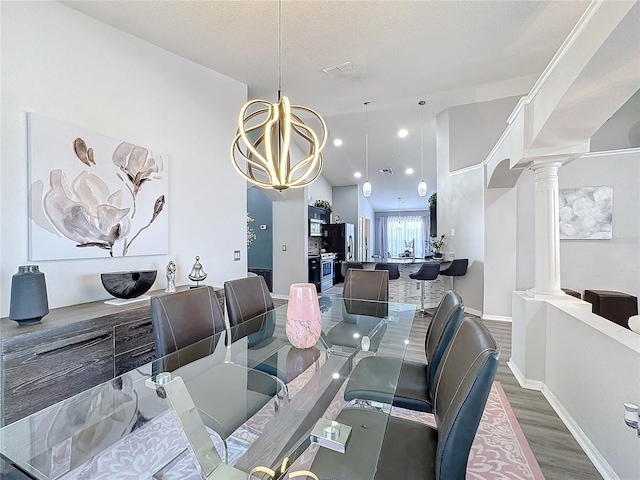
(73, 349)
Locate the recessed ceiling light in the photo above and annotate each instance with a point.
(409, 171)
(403, 132)
(357, 174)
(337, 142)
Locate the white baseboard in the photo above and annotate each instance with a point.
(589, 448)
(524, 383)
(497, 318)
(280, 296)
(473, 311)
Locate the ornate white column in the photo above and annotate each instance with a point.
(547, 228)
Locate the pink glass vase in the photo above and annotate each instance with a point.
(303, 315)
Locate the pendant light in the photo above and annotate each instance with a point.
(260, 149)
(366, 186)
(422, 186)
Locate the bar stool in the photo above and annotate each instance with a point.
(458, 268)
(427, 272)
(347, 265)
(394, 271)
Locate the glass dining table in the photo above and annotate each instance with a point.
(157, 421)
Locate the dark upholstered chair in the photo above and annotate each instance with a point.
(361, 308)
(184, 318)
(374, 378)
(412, 450)
(458, 268)
(394, 271)
(249, 304)
(366, 285)
(188, 326)
(571, 292)
(427, 272)
(347, 265)
(246, 298)
(614, 306)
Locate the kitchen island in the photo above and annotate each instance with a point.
(407, 290)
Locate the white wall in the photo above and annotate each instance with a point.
(582, 348)
(475, 128)
(68, 66)
(620, 131)
(320, 190)
(525, 232)
(461, 207)
(612, 264)
(290, 229)
(499, 251)
(345, 203)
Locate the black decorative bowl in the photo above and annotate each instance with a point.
(128, 284)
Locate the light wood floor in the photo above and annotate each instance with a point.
(557, 452)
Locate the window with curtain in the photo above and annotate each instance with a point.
(406, 233)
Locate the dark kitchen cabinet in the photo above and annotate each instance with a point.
(315, 275)
(318, 213)
(73, 349)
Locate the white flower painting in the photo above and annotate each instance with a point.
(93, 196)
(586, 213)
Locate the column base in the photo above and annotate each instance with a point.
(545, 295)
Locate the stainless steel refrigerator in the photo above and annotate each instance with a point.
(339, 238)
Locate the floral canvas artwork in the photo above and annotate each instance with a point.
(93, 196)
(586, 213)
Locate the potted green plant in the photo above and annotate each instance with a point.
(433, 199)
(436, 245)
(324, 205)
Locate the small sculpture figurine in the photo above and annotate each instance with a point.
(197, 273)
(171, 277)
(336, 219)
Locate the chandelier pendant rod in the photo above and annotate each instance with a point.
(421, 103)
(279, 48)
(366, 141)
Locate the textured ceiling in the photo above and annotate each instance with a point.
(445, 52)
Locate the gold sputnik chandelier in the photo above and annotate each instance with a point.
(260, 151)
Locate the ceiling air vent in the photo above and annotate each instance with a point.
(386, 171)
(339, 69)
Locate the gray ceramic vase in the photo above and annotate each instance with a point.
(29, 302)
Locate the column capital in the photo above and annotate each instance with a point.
(538, 163)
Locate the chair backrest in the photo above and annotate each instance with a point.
(246, 298)
(458, 268)
(347, 265)
(459, 392)
(394, 271)
(366, 285)
(427, 271)
(185, 318)
(444, 324)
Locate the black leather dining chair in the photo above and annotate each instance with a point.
(427, 272)
(366, 292)
(365, 303)
(406, 383)
(189, 326)
(250, 310)
(246, 298)
(410, 450)
(458, 268)
(394, 271)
